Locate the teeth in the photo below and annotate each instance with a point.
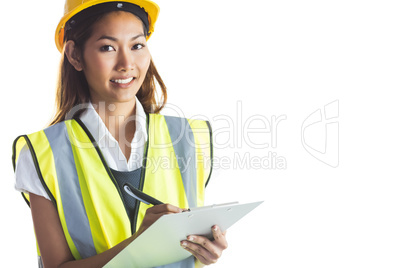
(123, 81)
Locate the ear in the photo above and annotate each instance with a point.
(73, 55)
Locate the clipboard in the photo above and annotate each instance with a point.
(160, 243)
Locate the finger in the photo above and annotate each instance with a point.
(213, 251)
(219, 237)
(151, 217)
(154, 213)
(199, 252)
(165, 208)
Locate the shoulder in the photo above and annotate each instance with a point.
(181, 122)
(24, 144)
(180, 130)
(51, 128)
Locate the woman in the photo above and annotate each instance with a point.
(106, 132)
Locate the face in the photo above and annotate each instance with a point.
(116, 58)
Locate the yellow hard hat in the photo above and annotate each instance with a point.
(73, 7)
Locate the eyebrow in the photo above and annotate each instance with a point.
(115, 39)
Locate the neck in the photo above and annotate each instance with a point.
(118, 118)
(115, 113)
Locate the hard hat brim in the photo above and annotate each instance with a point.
(150, 7)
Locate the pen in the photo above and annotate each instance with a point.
(140, 196)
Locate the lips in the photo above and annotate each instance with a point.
(123, 81)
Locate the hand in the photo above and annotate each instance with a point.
(205, 250)
(154, 213)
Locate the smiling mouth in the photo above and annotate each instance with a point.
(123, 81)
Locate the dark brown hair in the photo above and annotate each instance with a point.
(72, 87)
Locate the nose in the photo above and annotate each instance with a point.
(125, 61)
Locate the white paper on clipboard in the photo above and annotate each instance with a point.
(160, 243)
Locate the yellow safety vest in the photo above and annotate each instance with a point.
(176, 168)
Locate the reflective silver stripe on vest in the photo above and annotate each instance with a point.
(40, 263)
(184, 147)
(70, 191)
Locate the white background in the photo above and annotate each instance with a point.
(274, 58)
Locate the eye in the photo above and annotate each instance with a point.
(106, 48)
(138, 46)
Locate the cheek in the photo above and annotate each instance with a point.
(99, 66)
(97, 73)
(144, 62)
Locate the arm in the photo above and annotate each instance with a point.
(52, 242)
